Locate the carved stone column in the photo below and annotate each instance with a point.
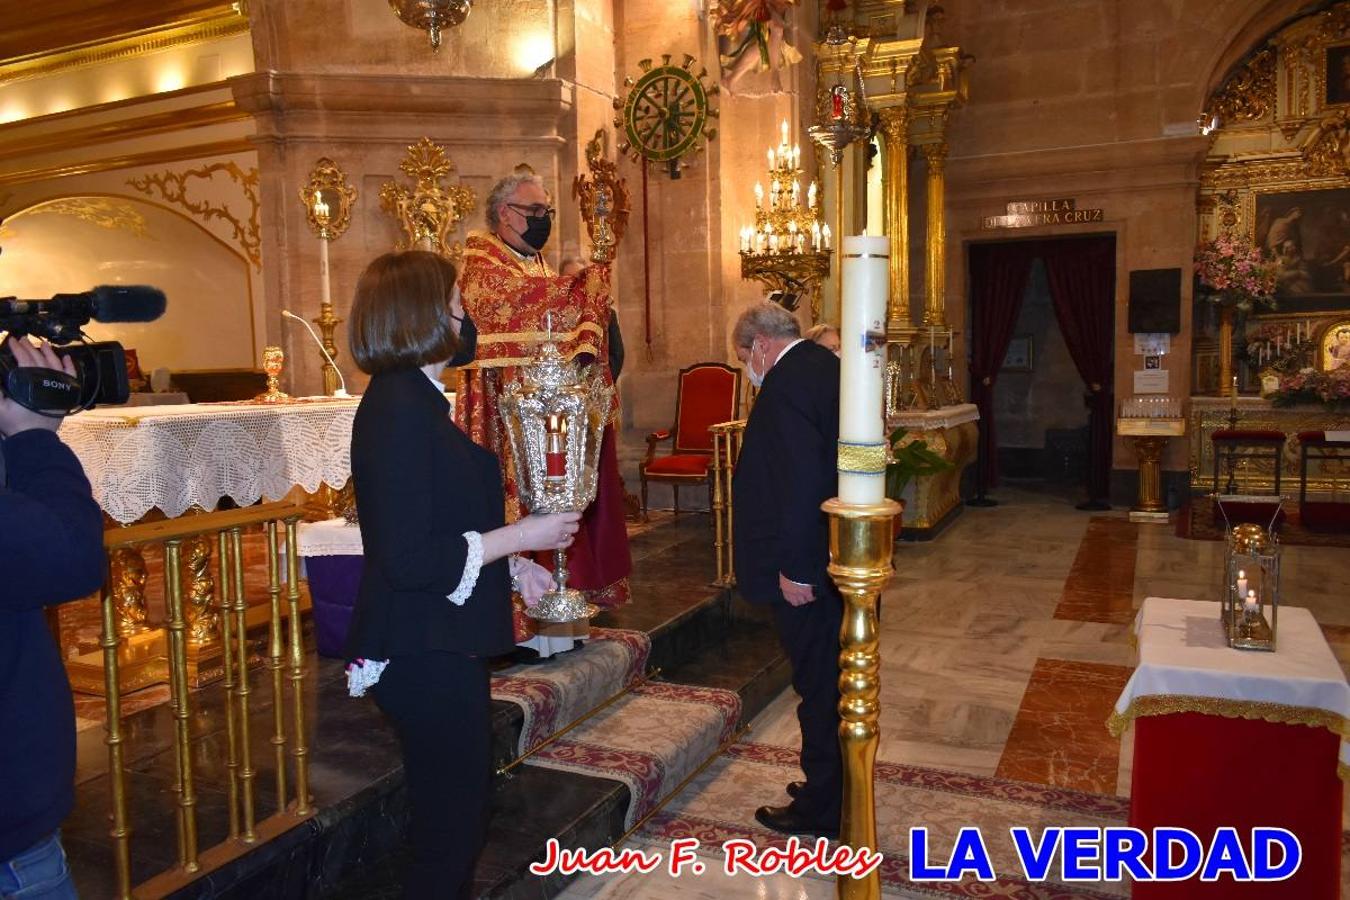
(935, 301)
(895, 127)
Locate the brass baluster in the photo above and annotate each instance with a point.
(301, 752)
(275, 649)
(227, 649)
(718, 437)
(249, 835)
(733, 451)
(120, 833)
(178, 685)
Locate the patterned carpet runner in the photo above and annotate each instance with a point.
(719, 805)
(651, 740)
(555, 694)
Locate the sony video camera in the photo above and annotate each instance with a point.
(100, 367)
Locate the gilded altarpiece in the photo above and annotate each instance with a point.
(1278, 174)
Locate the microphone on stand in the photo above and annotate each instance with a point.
(340, 392)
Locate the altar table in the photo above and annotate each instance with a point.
(953, 433)
(1237, 738)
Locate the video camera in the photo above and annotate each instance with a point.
(100, 367)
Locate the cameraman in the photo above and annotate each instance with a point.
(51, 551)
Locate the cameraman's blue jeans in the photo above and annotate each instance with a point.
(38, 873)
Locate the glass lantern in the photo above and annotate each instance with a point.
(1251, 596)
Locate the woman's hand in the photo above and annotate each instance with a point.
(552, 531)
(532, 580)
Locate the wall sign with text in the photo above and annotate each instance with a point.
(1030, 213)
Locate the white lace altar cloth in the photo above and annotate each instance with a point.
(175, 457)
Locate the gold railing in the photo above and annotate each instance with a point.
(726, 449)
(284, 662)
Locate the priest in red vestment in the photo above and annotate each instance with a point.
(508, 292)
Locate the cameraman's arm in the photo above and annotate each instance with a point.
(51, 530)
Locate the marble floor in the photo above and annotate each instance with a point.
(1004, 645)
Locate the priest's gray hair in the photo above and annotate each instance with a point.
(767, 320)
(502, 191)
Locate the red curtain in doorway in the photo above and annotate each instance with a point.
(1082, 277)
(998, 282)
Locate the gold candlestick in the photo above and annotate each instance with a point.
(328, 201)
(862, 539)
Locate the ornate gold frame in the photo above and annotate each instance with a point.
(328, 182)
(429, 211)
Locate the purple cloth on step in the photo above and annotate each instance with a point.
(333, 583)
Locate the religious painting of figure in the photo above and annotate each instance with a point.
(1338, 74)
(1307, 234)
(1336, 347)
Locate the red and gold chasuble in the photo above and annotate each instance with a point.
(510, 299)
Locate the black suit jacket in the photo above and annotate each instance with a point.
(420, 484)
(787, 469)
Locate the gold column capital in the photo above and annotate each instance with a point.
(895, 124)
(936, 154)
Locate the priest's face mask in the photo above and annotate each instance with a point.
(528, 216)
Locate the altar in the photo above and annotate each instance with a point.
(1328, 479)
(952, 432)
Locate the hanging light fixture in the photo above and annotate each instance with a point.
(432, 15)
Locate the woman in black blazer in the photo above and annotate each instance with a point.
(434, 602)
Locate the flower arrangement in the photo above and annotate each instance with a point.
(1235, 273)
(1309, 386)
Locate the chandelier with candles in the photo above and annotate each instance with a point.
(788, 248)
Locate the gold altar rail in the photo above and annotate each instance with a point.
(726, 450)
(284, 661)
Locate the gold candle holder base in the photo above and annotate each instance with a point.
(862, 539)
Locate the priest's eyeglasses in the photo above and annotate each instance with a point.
(535, 210)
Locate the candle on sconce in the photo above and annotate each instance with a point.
(796, 156)
(770, 159)
(785, 132)
(815, 235)
(796, 192)
(865, 271)
(811, 196)
(825, 235)
(759, 195)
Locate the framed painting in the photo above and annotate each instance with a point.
(1334, 347)
(1019, 357)
(1338, 75)
(1307, 235)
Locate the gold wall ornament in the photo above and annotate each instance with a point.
(173, 188)
(328, 192)
(432, 16)
(105, 212)
(664, 111)
(1249, 94)
(328, 201)
(604, 200)
(428, 211)
(1327, 153)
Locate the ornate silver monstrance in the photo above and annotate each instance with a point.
(555, 418)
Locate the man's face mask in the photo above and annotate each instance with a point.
(538, 224)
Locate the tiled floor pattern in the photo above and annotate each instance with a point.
(1004, 645)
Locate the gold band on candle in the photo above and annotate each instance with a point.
(867, 256)
(862, 459)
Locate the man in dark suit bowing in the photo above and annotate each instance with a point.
(787, 469)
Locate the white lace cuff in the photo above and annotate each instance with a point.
(473, 564)
(362, 675)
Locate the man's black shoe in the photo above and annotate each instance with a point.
(786, 820)
(795, 788)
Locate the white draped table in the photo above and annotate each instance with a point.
(1237, 739)
(176, 457)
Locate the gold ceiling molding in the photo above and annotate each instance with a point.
(130, 160)
(224, 21)
(124, 129)
(428, 212)
(105, 212)
(172, 187)
(1249, 94)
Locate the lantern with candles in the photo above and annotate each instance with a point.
(555, 417)
(1251, 597)
(788, 247)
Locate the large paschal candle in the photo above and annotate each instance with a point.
(862, 329)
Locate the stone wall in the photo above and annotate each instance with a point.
(1095, 100)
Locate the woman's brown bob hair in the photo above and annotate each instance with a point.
(401, 316)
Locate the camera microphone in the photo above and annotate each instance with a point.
(340, 392)
(106, 303)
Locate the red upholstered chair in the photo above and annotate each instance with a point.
(706, 394)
